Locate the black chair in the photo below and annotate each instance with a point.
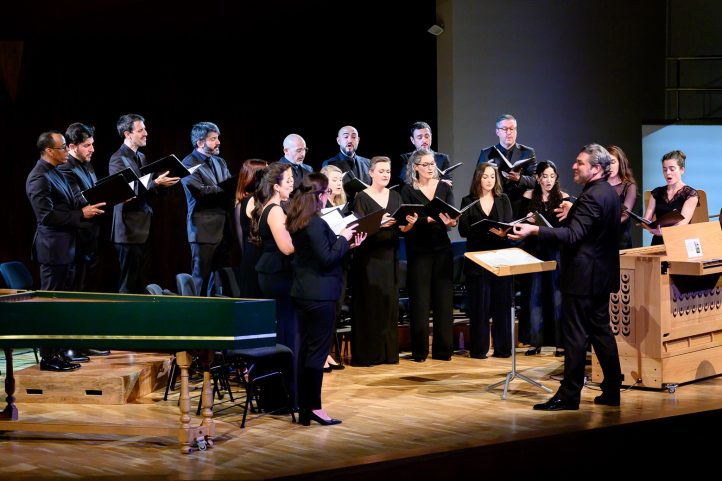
(185, 284)
(16, 276)
(258, 367)
(226, 282)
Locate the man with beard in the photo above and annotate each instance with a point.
(348, 160)
(80, 174)
(132, 220)
(208, 207)
(421, 139)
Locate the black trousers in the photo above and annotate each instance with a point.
(315, 321)
(55, 278)
(489, 297)
(133, 259)
(278, 287)
(205, 260)
(586, 318)
(429, 281)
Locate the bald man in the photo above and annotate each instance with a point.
(294, 153)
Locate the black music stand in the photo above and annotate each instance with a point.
(507, 262)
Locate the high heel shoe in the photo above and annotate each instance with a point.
(533, 351)
(305, 417)
(336, 367)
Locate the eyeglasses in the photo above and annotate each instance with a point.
(301, 151)
(426, 165)
(506, 129)
(62, 147)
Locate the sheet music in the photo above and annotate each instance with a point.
(507, 257)
(194, 168)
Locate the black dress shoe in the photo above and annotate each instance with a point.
(305, 417)
(557, 404)
(608, 399)
(501, 355)
(73, 356)
(477, 356)
(57, 363)
(533, 351)
(559, 353)
(441, 358)
(415, 358)
(327, 369)
(95, 352)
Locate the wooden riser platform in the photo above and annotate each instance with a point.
(119, 378)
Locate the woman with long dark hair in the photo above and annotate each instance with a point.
(268, 228)
(317, 272)
(544, 299)
(248, 179)
(489, 295)
(622, 179)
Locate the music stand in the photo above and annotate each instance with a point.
(507, 262)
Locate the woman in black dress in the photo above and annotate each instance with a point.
(430, 272)
(544, 299)
(317, 271)
(622, 179)
(375, 274)
(489, 295)
(248, 178)
(676, 195)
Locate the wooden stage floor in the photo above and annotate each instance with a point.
(434, 420)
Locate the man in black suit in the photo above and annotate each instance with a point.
(514, 181)
(208, 206)
(58, 216)
(421, 139)
(589, 273)
(294, 153)
(80, 174)
(348, 159)
(132, 219)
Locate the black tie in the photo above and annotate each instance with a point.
(297, 174)
(212, 165)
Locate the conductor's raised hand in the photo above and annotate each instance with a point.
(166, 181)
(521, 231)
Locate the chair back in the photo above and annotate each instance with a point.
(185, 284)
(154, 289)
(227, 282)
(16, 275)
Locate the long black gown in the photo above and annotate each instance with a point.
(375, 298)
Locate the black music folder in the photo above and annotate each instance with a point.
(370, 223)
(112, 190)
(352, 185)
(170, 164)
(448, 169)
(407, 209)
(436, 206)
(669, 219)
(518, 165)
(499, 228)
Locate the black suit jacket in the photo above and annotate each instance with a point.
(590, 254)
(81, 176)
(346, 164)
(442, 162)
(57, 214)
(318, 262)
(208, 204)
(518, 152)
(302, 169)
(131, 220)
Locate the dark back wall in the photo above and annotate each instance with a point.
(65, 62)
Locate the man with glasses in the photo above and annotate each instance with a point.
(517, 180)
(208, 207)
(294, 153)
(58, 215)
(421, 139)
(132, 219)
